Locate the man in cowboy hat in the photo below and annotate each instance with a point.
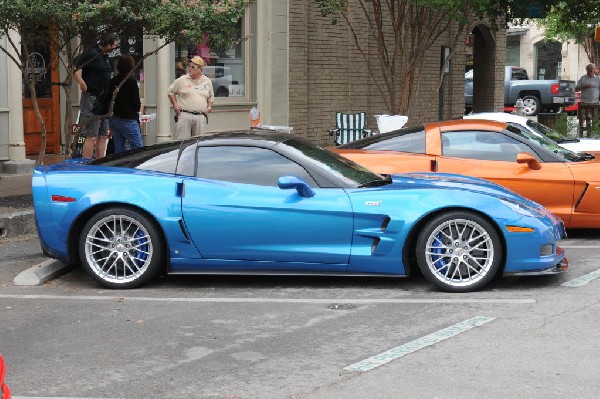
(192, 98)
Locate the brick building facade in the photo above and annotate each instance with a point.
(327, 74)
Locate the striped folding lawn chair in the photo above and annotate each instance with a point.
(349, 127)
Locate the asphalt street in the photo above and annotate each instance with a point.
(289, 337)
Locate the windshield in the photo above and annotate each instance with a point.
(352, 173)
(544, 142)
(546, 131)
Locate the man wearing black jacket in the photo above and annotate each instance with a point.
(93, 75)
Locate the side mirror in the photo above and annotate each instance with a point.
(303, 189)
(530, 160)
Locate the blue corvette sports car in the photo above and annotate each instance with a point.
(259, 202)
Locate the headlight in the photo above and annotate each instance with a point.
(522, 209)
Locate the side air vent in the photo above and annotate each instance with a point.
(184, 231)
(374, 245)
(385, 223)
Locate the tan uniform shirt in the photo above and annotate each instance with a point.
(190, 96)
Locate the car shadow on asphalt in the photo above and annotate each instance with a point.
(591, 234)
(413, 284)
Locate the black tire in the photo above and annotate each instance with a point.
(121, 248)
(459, 251)
(532, 105)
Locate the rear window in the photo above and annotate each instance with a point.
(405, 140)
(158, 158)
(519, 74)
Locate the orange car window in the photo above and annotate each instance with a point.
(481, 145)
(405, 140)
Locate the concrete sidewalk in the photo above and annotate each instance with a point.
(17, 219)
(16, 202)
(16, 206)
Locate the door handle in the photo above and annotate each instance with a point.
(433, 165)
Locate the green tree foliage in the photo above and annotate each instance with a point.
(68, 20)
(404, 32)
(574, 21)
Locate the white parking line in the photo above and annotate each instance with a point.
(271, 300)
(413, 346)
(583, 280)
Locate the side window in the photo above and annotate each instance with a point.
(186, 163)
(410, 140)
(490, 146)
(249, 165)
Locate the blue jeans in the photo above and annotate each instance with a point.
(125, 131)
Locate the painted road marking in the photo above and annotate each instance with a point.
(583, 280)
(413, 346)
(271, 300)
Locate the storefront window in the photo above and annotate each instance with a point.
(38, 69)
(226, 69)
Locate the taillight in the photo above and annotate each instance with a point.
(555, 88)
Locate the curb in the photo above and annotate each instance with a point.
(39, 274)
(17, 223)
(21, 167)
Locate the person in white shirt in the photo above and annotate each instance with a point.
(192, 98)
(589, 87)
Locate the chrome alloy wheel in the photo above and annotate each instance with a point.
(118, 249)
(459, 252)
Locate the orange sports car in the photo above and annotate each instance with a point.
(565, 182)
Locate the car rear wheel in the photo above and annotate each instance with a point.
(121, 248)
(532, 105)
(459, 251)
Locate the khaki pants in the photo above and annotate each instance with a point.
(190, 125)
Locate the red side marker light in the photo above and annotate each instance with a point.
(62, 198)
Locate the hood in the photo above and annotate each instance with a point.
(459, 182)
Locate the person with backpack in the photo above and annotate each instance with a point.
(93, 76)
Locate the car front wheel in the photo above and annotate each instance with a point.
(459, 251)
(121, 248)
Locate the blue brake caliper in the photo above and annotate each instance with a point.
(438, 259)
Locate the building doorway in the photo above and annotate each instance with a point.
(485, 87)
(44, 65)
(548, 60)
